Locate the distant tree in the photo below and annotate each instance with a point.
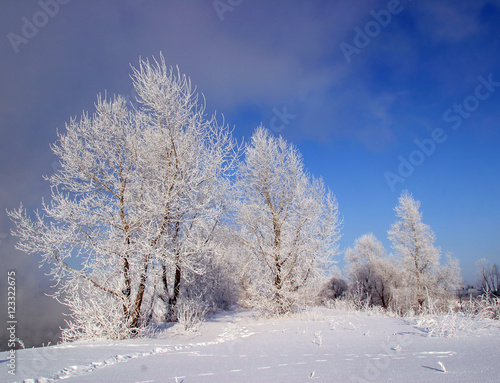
(489, 276)
(288, 223)
(137, 200)
(449, 276)
(372, 274)
(333, 289)
(413, 243)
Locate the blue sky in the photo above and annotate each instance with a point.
(354, 116)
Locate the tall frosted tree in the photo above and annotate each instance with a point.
(288, 223)
(187, 164)
(413, 244)
(137, 201)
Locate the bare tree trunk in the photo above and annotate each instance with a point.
(136, 314)
(172, 302)
(164, 280)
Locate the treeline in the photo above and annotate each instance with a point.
(411, 280)
(408, 280)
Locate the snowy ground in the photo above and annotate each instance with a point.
(320, 346)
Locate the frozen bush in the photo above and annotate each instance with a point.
(190, 313)
(334, 288)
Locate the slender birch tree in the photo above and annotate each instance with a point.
(413, 244)
(288, 223)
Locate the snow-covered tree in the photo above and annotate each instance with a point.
(288, 223)
(137, 200)
(334, 288)
(413, 244)
(89, 231)
(449, 276)
(372, 273)
(489, 276)
(188, 162)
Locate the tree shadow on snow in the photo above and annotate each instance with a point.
(432, 368)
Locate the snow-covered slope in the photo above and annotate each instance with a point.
(318, 346)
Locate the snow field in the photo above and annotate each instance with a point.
(322, 346)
